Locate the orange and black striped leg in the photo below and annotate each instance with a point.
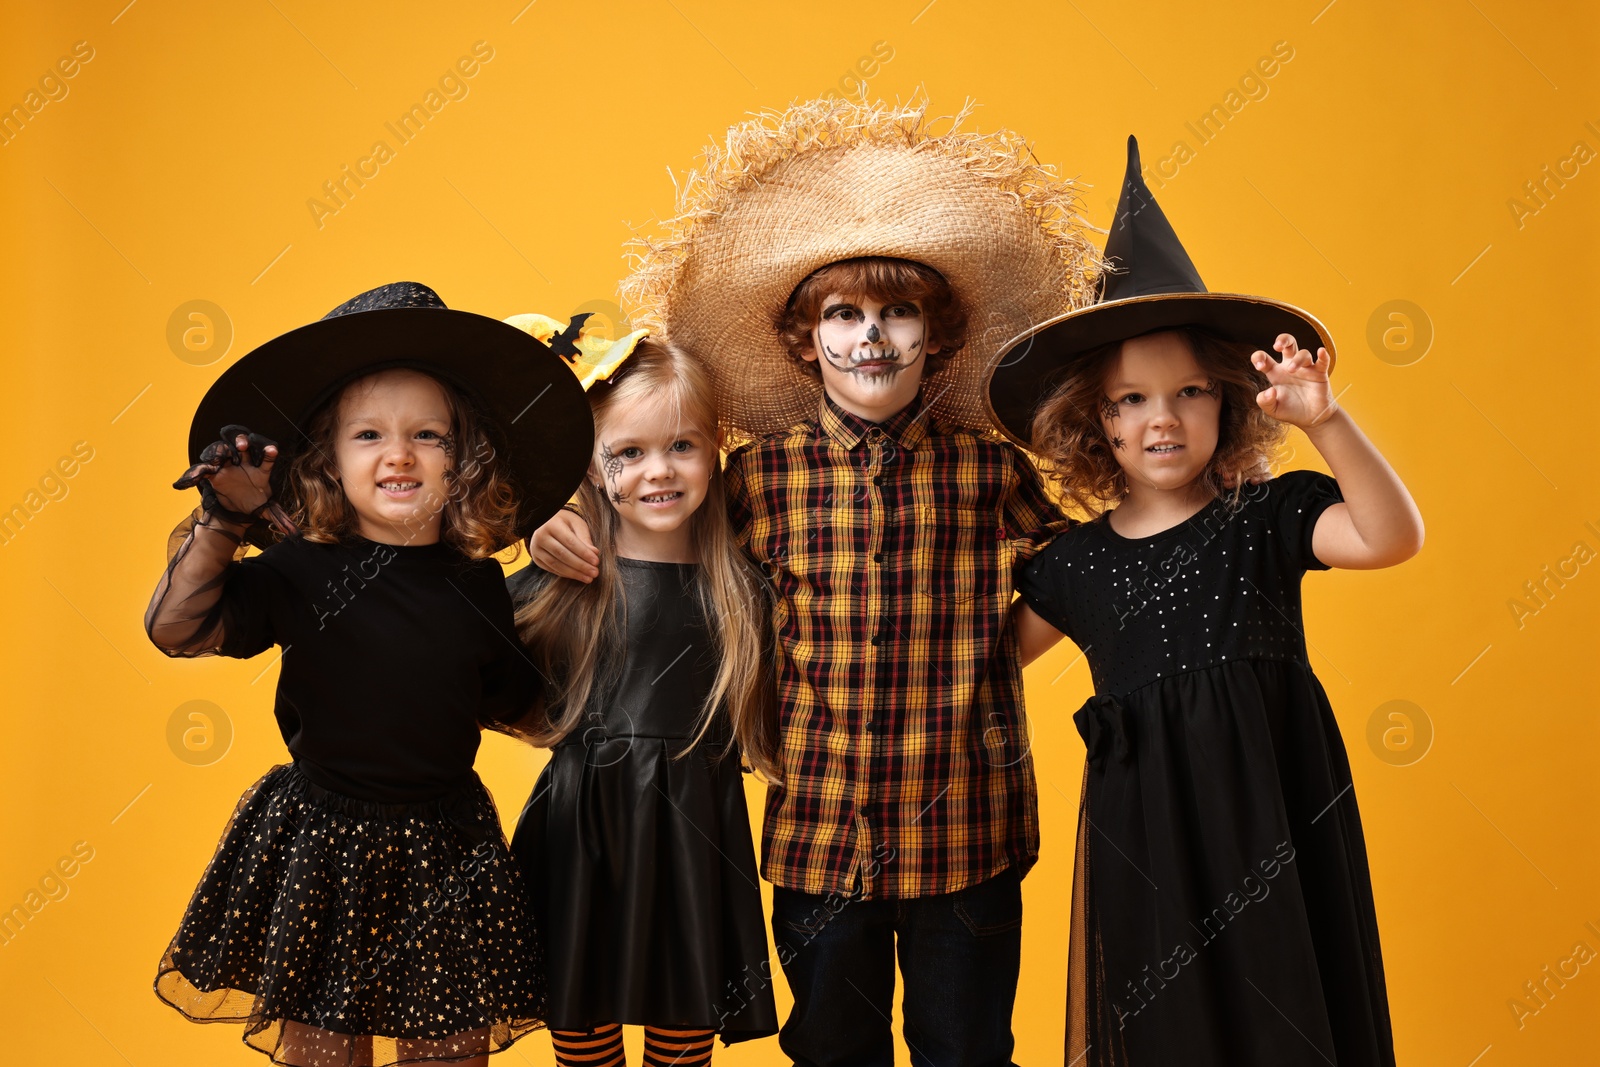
(601, 1047)
(677, 1048)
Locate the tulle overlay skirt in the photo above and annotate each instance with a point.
(342, 932)
(1222, 904)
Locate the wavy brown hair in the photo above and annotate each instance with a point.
(1073, 449)
(479, 510)
(575, 630)
(875, 278)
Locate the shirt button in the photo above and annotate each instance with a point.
(877, 479)
(876, 639)
(877, 557)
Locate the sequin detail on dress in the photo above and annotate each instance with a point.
(399, 931)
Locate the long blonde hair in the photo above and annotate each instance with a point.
(575, 631)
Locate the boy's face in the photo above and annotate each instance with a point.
(871, 353)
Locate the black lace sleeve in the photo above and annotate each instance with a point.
(196, 609)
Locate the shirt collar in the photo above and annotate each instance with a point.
(907, 427)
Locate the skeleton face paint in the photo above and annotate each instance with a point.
(870, 353)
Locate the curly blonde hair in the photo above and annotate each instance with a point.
(1073, 449)
(479, 512)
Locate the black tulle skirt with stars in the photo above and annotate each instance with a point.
(345, 932)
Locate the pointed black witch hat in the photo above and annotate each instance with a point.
(1149, 285)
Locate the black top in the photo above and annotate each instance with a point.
(640, 859)
(394, 658)
(669, 661)
(1222, 586)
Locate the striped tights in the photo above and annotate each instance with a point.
(603, 1047)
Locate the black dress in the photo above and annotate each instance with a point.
(366, 889)
(641, 865)
(1222, 903)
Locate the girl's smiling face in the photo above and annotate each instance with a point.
(1161, 413)
(392, 449)
(655, 471)
(871, 353)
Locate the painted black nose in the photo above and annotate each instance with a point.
(873, 334)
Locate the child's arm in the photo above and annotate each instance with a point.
(181, 619)
(1031, 518)
(563, 547)
(1378, 524)
(1035, 637)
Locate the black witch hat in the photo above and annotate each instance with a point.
(1150, 284)
(538, 417)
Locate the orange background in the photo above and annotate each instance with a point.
(1384, 161)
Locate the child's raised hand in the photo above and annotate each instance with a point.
(1300, 393)
(234, 475)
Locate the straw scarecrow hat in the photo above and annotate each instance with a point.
(790, 192)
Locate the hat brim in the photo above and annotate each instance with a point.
(539, 418)
(1031, 365)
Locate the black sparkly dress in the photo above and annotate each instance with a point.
(1222, 906)
(641, 865)
(366, 890)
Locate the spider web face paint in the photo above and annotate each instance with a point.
(1110, 411)
(611, 464)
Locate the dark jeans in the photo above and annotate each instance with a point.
(959, 954)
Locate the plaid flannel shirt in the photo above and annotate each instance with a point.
(904, 742)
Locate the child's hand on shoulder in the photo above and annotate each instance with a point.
(1300, 393)
(563, 547)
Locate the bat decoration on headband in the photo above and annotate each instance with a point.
(592, 356)
(564, 344)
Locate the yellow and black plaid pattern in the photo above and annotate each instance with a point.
(891, 549)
